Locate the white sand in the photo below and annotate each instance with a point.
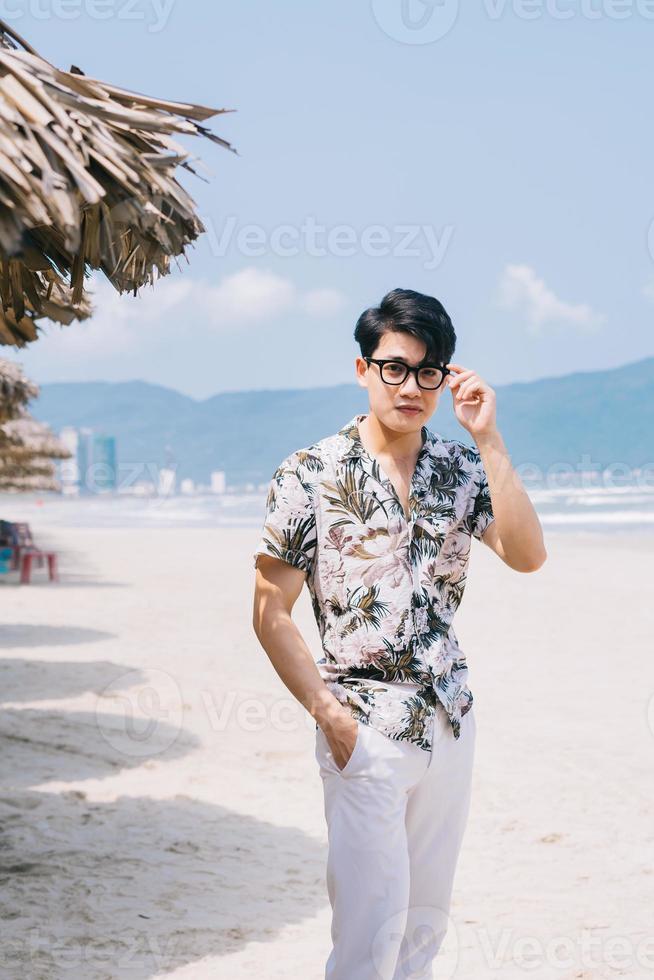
(197, 849)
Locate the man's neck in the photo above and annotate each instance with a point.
(379, 440)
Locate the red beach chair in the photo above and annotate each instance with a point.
(25, 553)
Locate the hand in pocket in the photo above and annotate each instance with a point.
(342, 741)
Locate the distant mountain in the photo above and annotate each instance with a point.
(586, 419)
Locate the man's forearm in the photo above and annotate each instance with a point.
(292, 659)
(516, 519)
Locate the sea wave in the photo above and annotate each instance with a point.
(610, 508)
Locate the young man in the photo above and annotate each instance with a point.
(377, 519)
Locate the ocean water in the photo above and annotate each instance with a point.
(624, 508)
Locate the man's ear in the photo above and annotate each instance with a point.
(362, 379)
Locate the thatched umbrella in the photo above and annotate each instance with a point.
(25, 437)
(27, 447)
(15, 390)
(86, 182)
(30, 484)
(32, 474)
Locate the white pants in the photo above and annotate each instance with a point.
(396, 816)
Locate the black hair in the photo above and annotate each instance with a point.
(406, 311)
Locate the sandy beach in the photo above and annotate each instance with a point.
(161, 807)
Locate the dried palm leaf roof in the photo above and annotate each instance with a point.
(29, 482)
(27, 446)
(36, 466)
(15, 390)
(25, 437)
(86, 182)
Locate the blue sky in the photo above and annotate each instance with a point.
(506, 147)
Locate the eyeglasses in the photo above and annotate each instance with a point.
(396, 372)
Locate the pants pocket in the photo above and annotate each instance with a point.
(325, 756)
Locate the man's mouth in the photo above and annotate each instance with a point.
(409, 409)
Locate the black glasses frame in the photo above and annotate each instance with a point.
(414, 370)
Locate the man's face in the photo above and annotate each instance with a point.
(386, 400)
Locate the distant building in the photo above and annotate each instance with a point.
(167, 482)
(218, 481)
(84, 457)
(93, 466)
(140, 488)
(187, 486)
(69, 468)
(103, 466)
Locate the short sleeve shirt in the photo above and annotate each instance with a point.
(384, 589)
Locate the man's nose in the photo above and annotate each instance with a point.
(410, 384)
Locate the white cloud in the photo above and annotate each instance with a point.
(520, 289)
(128, 324)
(166, 325)
(251, 294)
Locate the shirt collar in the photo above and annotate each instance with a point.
(432, 443)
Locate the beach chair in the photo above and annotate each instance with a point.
(26, 559)
(9, 540)
(6, 555)
(25, 553)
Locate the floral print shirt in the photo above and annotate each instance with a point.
(384, 589)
